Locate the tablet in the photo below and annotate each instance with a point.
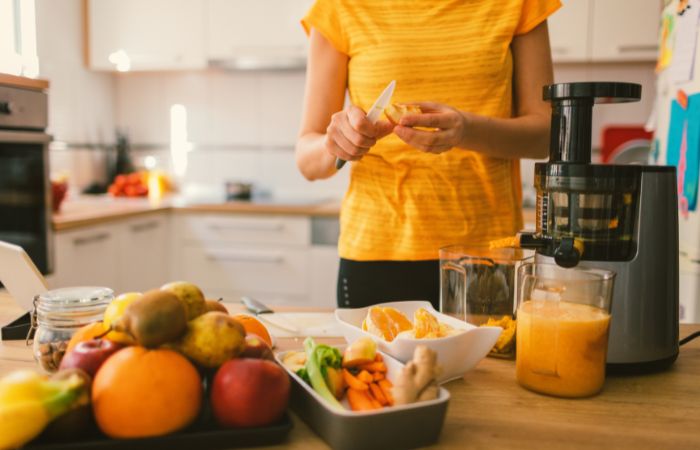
(20, 276)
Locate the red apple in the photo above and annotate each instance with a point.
(249, 393)
(256, 347)
(89, 355)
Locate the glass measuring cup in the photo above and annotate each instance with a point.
(477, 285)
(563, 326)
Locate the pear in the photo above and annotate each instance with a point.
(212, 339)
(190, 295)
(156, 318)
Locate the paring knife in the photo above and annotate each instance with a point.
(374, 112)
(259, 308)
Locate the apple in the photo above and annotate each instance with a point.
(256, 347)
(89, 355)
(249, 393)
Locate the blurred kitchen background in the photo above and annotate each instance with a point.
(209, 92)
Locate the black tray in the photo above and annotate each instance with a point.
(197, 437)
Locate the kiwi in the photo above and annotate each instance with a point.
(154, 319)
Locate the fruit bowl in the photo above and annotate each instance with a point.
(457, 354)
(396, 427)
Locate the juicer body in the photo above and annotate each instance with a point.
(644, 323)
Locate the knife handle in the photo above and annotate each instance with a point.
(339, 163)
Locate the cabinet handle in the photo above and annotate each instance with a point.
(274, 258)
(144, 226)
(6, 108)
(637, 48)
(252, 226)
(90, 239)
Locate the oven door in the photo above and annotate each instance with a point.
(25, 195)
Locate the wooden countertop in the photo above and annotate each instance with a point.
(23, 82)
(488, 410)
(89, 210)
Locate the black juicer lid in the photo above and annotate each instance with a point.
(572, 114)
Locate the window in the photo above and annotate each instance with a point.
(18, 38)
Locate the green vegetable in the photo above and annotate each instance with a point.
(318, 358)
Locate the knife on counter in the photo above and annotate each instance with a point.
(374, 112)
(260, 310)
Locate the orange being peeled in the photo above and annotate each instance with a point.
(140, 393)
(85, 333)
(386, 322)
(396, 111)
(254, 326)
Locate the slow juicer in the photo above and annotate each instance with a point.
(615, 217)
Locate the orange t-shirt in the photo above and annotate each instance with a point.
(402, 203)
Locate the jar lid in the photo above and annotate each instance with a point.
(73, 304)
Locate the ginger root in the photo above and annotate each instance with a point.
(418, 379)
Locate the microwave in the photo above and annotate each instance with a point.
(25, 189)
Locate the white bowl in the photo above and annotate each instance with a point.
(457, 354)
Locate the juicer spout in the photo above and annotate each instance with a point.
(567, 251)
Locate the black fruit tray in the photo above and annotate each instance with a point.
(200, 436)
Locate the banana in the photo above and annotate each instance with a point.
(29, 401)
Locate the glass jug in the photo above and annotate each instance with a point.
(477, 285)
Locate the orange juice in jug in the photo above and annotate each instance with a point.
(562, 347)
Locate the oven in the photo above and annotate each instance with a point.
(25, 189)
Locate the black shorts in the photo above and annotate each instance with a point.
(364, 283)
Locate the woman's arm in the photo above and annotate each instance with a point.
(526, 135)
(326, 130)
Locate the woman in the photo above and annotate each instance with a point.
(482, 65)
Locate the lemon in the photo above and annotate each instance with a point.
(114, 311)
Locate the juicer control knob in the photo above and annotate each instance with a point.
(567, 254)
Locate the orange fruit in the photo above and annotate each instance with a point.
(385, 322)
(254, 326)
(85, 333)
(140, 393)
(426, 324)
(396, 111)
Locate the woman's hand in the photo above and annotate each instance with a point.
(448, 123)
(350, 135)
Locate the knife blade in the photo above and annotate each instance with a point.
(259, 309)
(374, 112)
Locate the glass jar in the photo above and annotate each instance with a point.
(58, 314)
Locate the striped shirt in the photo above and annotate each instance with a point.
(402, 203)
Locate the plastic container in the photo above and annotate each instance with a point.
(60, 313)
(395, 427)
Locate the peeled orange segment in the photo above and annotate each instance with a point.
(385, 322)
(396, 111)
(426, 325)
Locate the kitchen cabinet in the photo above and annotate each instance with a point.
(257, 35)
(126, 255)
(138, 35)
(87, 257)
(605, 31)
(144, 256)
(268, 257)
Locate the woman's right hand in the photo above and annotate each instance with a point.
(350, 135)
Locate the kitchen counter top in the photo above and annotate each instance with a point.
(23, 82)
(488, 410)
(92, 210)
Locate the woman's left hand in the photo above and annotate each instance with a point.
(448, 123)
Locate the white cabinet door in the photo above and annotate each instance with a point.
(146, 35)
(256, 31)
(324, 275)
(144, 254)
(568, 31)
(625, 30)
(87, 257)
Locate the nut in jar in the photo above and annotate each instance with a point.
(58, 314)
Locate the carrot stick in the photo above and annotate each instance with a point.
(353, 382)
(385, 386)
(378, 376)
(373, 400)
(378, 394)
(377, 366)
(359, 401)
(379, 357)
(365, 377)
